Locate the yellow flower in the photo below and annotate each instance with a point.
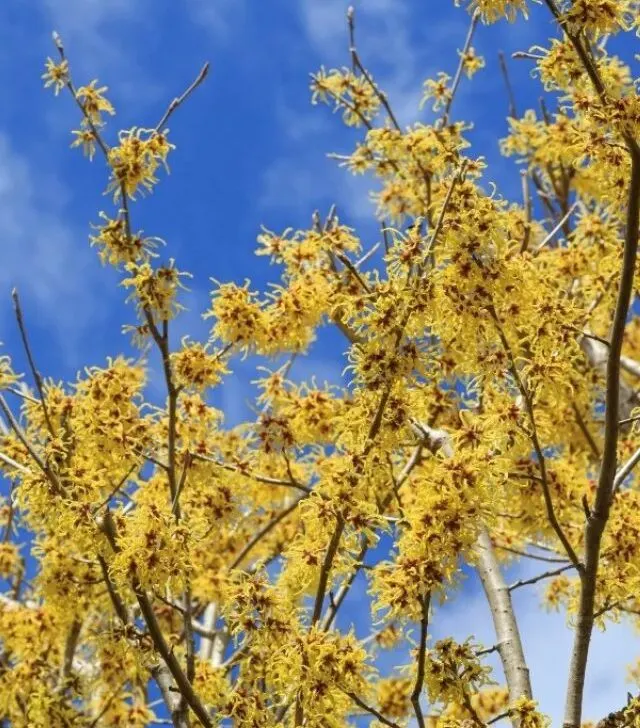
(471, 62)
(94, 102)
(56, 75)
(87, 140)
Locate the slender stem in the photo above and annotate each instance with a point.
(345, 587)
(118, 604)
(513, 110)
(263, 532)
(421, 660)
(181, 99)
(604, 491)
(266, 479)
(70, 649)
(458, 77)
(330, 554)
(542, 465)
(23, 439)
(540, 577)
(369, 709)
(32, 365)
(625, 470)
(595, 450)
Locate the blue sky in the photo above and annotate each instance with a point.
(251, 150)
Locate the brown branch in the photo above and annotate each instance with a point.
(32, 365)
(604, 491)
(325, 571)
(266, 479)
(107, 705)
(115, 490)
(53, 479)
(118, 604)
(367, 708)
(421, 660)
(526, 554)
(546, 491)
(70, 646)
(181, 99)
(584, 56)
(182, 682)
(593, 446)
(345, 587)
(458, 77)
(528, 207)
(263, 532)
(539, 577)
(513, 111)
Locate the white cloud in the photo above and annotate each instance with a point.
(49, 261)
(217, 16)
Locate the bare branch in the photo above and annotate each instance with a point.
(540, 577)
(367, 708)
(605, 488)
(330, 554)
(458, 77)
(181, 99)
(263, 532)
(513, 111)
(32, 365)
(625, 470)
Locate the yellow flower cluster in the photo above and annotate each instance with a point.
(135, 161)
(358, 99)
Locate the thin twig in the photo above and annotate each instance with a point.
(369, 709)
(182, 682)
(32, 365)
(115, 490)
(458, 77)
(266, 479)
(528, 208)
(181, 99)
(513, 111)
(535, 557)
(557, 228)
(540, 577)
(118, 604)
(546, 491)
(263, 532)
(325, 571)
(625, 470)
(14, 464)
(23, 439)
(595, 450)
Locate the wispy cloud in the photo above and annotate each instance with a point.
(217, 17)
(105, 39)
(48, 260)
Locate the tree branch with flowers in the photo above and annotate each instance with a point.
(489, 413)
